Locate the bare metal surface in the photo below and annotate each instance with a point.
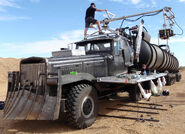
(47, 112)
(25, 108)
(36, 108)
(129, 80)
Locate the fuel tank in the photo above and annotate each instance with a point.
(156, 58)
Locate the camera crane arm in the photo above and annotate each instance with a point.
(165, 34)
(166, 9)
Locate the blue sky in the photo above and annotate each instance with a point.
(37, 27)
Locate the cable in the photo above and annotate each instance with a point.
(182, 31)
(143, 16)
(138, 18)
(122, 23)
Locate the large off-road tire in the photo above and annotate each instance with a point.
(171, 81)
(178, 77)
(82, 106)
(171, 78)
(134, 93)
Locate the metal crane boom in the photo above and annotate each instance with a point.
(107, 21)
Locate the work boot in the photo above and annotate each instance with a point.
(100, 33)
(85, 37)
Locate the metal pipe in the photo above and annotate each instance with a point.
(108, 20)
(130, 16)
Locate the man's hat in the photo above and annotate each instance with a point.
(93, 4)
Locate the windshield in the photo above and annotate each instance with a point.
(98, 47)
(94, 46)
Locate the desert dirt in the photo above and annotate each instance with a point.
(171, 121)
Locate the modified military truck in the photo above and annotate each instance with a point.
(69, 84)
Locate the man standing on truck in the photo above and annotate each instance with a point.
(89, 18)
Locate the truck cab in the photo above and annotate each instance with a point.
(118, 54)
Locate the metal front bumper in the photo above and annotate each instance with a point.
(23, 104)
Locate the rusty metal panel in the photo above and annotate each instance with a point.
(59, 93)
(29, 100)
(12, 86)
(26, 100)
(25, 109)
(30, 72)
(36, 108)
(48, 109)
(18, 108)
(11, 102)
(8, 96)
(14, 104)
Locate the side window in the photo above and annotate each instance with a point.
(96, 47)
(100, 47)
(79, 47)
(72, 46)
(88, 47)
(82, 48)
(107, 46)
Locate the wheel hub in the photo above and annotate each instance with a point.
(87, 107)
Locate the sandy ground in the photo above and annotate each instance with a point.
(171, 121)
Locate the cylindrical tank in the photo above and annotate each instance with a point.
(156, 58)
